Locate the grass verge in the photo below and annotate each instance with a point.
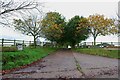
(28, 55)
(99, 52)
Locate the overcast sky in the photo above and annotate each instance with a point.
(69, 9)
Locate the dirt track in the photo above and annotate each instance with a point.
(68, 64)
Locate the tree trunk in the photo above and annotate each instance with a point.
(34, 42)
(94, 41)
(73, 45)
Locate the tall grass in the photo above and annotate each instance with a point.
(19, 58)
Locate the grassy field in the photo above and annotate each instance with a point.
(15, 59)
(99, 52)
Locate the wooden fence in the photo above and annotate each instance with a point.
(92, 43)
(7, 42)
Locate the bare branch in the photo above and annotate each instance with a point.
(20, 7)
(9, 9)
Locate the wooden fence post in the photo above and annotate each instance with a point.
(23, 44)
(85, 43)
(92, 43)
(111, 43)
(29, 43)
(43, 44)
(2, 43)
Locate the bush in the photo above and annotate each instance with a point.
(9, 49)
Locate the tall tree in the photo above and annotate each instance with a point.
(100, 25)
(53, 26)
(118, 23)
(76, 30)
(30, 26)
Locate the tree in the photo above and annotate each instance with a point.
(76, 30)
(9, 8)
(53, 26)
(118, 27)
(100, 25)
(118, 24)
(30, 26)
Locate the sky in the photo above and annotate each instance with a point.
(69, 9)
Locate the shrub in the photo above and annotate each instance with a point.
(9, 49)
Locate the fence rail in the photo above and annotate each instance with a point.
(99, 44)
(92, 43)
(7, 42)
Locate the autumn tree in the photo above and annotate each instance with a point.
(76, 30)
(118, 19)
(53, 26)
(118, 24)
(100, 25)
(29, 26)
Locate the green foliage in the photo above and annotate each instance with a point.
(9, 49)
(118, 25)
(53, 26)
(15, 59)
(100, 52)
(76, 30)
(55, 29)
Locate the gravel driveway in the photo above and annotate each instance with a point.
(69, 64)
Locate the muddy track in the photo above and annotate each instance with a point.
(69, 64)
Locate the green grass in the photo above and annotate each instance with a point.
(99, 52)
(19, 58)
